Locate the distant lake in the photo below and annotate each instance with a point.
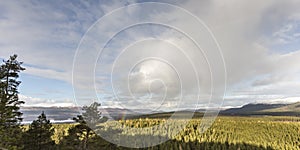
(66, 114)
(54, 114)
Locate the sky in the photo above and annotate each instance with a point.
(154, 54)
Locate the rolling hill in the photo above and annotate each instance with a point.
(265, 109)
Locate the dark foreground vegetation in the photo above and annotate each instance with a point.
(225, 133)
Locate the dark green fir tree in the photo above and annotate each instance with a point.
(10, 116)
(82, 136)
(38, 136)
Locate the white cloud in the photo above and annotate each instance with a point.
(245, 30)
(42, 102)
(238, 27)
(49, 73)
(280, 100)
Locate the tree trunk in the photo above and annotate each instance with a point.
(85, 143)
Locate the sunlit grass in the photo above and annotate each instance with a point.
(275, 132)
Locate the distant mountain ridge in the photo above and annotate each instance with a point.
(67, 113)
(265, 109)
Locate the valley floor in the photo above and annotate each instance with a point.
(227, 132)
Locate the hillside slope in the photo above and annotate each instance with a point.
(265, 109)
(291, 108)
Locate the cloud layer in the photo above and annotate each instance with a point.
(259, 42)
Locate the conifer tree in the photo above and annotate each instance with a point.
(38, 136)
(83, 132)
(88, 122)
(10, 116)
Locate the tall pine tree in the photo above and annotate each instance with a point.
(88, 121)
(82, 135)
(38, 136)
(10, 116)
